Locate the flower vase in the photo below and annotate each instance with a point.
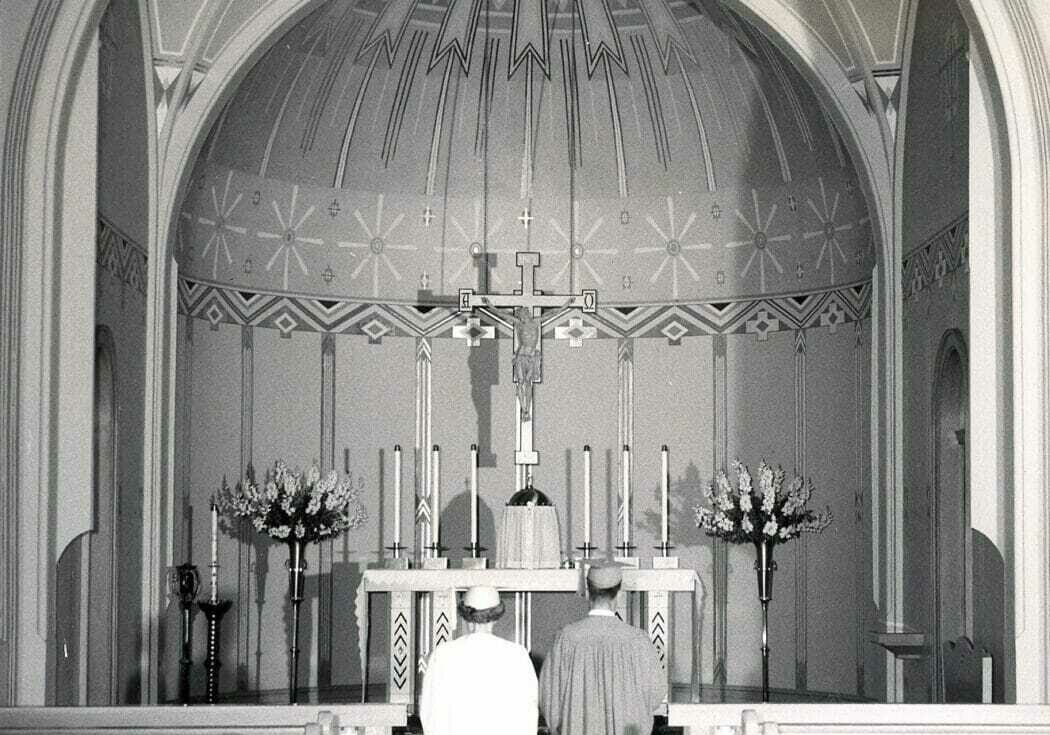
(764, 568)
(296, 584)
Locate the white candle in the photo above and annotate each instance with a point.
(214, 551)
(473, 494)
(664, 480)
(586, 495)
(626, 495)
(435, 511)
(397, 495)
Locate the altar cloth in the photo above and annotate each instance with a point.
(528, 537)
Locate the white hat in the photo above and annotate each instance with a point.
(604, 576)
(481, 597)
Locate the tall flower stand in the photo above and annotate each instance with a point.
(184, 582)
(764, 568)
(296, 584)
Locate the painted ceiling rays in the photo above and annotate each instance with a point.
(613, 55)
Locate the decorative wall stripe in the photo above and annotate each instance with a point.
(246, 663)
(218, 304)
(624, 421)
(858, 494)
(943, 254)
(325, 591)
(422, 469)
(801, 557)
(720, 549)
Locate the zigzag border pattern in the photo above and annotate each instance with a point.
(121, 256)
(943, 254)
(761, 316)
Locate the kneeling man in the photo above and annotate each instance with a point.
(602, 676)
(479, 684)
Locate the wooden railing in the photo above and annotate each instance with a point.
(860, 719)
(360, 719)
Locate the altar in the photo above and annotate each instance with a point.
(423, 612)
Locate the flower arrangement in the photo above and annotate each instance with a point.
(741, 514)
(292, 505)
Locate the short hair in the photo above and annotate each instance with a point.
(480, 615)
(602, 593)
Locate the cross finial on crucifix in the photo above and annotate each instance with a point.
(527, 304)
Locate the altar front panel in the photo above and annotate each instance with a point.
(435, 614)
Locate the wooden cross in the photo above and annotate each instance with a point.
(534, 302)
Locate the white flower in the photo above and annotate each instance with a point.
(280, 532)
(300, 530)
(770, 529)
(785, 532)
(312, 475)
(745, 502)
(747, 525)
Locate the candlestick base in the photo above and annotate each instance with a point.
(587, 548)
(435, 562)
(665, 562)
(397, 563)
(396, 548)
(475, 562)
(475, 549)
(663, 547)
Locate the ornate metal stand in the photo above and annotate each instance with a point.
(213, 610)
(184, 582)
(764, 568)
(296, 585)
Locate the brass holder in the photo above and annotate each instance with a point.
(587, 548)
(296, 584)
(475, 549)
(663, 547)
(764, 568)
(213, 610)
(396, 549)
(625, 549)
(184, 582)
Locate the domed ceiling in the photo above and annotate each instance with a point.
(399, 151)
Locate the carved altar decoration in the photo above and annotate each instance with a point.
(296, 508)
(764, 518)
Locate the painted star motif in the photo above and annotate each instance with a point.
(219, 222)
(580, 250)
(672, 247)
(760, 241)
(289, 236)
(828, 231)
(471, 246)
(376, 245)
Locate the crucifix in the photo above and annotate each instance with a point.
(527, 304)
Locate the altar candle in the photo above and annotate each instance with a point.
(664, 479)
(586, 495)
(214, 551)
(435, 511)
(626, 495)
(397, 494)
(473, 494)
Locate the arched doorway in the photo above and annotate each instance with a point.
(950, 522)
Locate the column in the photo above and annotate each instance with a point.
(245, 549)
(800, 543)
(720, 549)
(326, 548)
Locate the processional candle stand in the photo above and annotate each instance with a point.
(213, 609)
(184, 582)
(296, 584)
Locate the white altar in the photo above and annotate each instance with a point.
(423, 612)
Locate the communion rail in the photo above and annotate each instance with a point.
(359, 719)
(860, 719)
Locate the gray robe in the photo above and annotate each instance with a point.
(601, 677)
